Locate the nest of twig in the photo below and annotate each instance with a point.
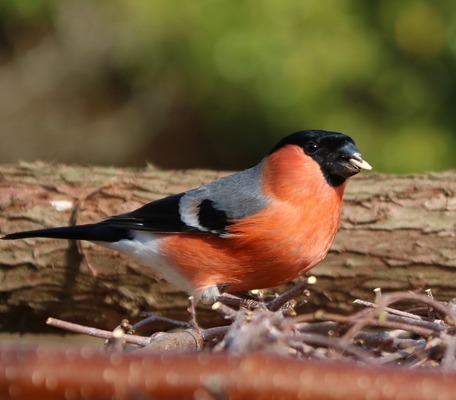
(378, 334)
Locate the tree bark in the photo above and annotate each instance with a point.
(397, 233)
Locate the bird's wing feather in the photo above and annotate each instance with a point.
(158, 216)
(207, 209)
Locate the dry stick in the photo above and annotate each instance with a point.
(154, 319)
(173, 341)
(422, 356)
(406, 322)
(385, 301)
(373, 320)
(415, 319)
(399, 354)
(357, 326)
(416, 323)
(390, 310)
(423, 328)
(321, 316)
(99, 333)
(430, 310)
(434, 345)
(318, 327)
(401, 316)
(395, 297)
(215, 334)
(411, 357)
(272, 305)
(419, 327)
(319, 340)
(234, 301)
(387, 341)
(424, 332)
(290, 294)
(308, 351)
(227, 312)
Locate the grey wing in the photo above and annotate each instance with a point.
(213, 206)
(207, 209)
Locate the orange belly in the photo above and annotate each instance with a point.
(265, 250)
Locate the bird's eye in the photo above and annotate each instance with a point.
(310, 147)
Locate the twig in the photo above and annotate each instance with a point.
(99, 333)
(152, 319)
(395, 297)
(227, 312)
(290, 294)
(214, 335)
(388, 309)
(431, 312)
(377, 334)
(334, 343)
(234, 301)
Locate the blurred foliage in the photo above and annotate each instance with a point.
(214, 83)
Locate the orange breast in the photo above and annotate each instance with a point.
(289, 236)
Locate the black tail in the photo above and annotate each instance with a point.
(101, 232)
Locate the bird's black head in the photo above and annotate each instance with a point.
(336, 153)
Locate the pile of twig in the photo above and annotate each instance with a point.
(377, 334)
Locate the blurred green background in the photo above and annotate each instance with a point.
(215, 83)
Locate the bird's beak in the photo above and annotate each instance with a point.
(358, 161)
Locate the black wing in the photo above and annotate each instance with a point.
(165, 216)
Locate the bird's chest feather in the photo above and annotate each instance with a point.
(288, 238)
(304, 208)
(291, 234)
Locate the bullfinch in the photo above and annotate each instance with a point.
(254, 229)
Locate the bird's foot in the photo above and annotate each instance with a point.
(192, 311)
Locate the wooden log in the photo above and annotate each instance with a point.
(397, 232)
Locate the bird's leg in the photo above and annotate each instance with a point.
(192, 311)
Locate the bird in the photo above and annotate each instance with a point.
(254, 229)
